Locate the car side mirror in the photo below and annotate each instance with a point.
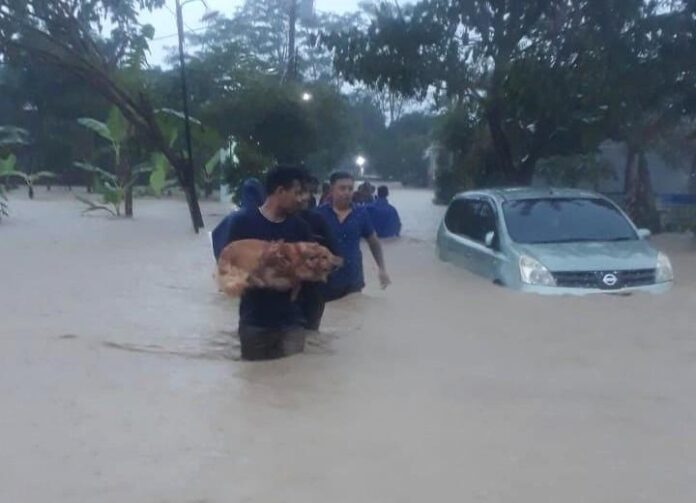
(490, 239)
(644, 233)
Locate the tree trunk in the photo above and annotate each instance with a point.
(525, 174)
(129, 190)
(189, 186)
(639, 198)
(129, 202)
(501, 144)
(125, 173)
(31, 192)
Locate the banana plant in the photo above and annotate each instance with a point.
(210, 171)
(160, 170)
(115, 131)
(112, 188)
(8, 169)
(12, 136)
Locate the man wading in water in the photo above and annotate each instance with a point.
(350, 223)
(271, 325)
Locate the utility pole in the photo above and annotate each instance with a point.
(189, 177)
(291, 72)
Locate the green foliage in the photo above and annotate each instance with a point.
(246, 161)
(8, 169)
(158, 176)
(112, 188)
(13, 136)
(399, 152)
(576, 170)
(545, 79)
(65, 35)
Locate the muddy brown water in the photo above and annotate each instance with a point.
(119, 378)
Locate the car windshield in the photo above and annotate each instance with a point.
(555, 220)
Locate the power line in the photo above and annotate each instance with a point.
(174, 14)
(172, 35)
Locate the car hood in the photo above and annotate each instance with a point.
(592, 256)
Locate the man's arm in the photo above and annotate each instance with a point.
(220, 236)
(378, 254)
(397, 219)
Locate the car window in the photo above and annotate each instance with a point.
(485, 217)
(470, 218)
(458, 217)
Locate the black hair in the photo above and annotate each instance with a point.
(284, 176)
(383, 191)
(340, 175)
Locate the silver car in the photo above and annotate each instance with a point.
(551, 241)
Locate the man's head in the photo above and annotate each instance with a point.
(383, 192)
(284, 186)
(342, 186)
(313, 185)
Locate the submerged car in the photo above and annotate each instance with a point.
(551, 241)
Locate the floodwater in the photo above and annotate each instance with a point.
(120, 382)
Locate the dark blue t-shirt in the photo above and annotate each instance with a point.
(385, 218)
(348, 235)
(261, 307)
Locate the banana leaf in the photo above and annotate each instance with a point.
(91, 168)
(92, 206)
(97, 127)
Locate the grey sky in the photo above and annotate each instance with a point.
(164, 20)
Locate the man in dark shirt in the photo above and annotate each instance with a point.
(350, 223)
(270, 323)
(384, 216)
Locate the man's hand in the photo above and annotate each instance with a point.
(384, 279)
(376, 249)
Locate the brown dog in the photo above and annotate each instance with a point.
(252, 263)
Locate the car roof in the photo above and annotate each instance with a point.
(521, 193)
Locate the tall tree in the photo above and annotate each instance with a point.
(521, 66)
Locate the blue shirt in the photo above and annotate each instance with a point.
(348, 233)
(262, 307)
(385, 218)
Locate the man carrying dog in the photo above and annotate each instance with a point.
(270, 323)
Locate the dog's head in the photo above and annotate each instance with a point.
(316, 262)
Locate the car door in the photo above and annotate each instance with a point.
(459, 226)
(485, 258)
